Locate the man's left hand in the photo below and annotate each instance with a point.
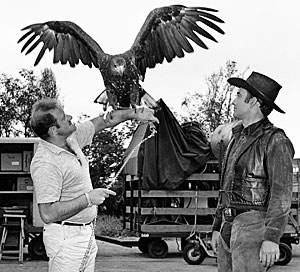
(269, 253)
(144, 114)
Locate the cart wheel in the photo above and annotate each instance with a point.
(287, 242)
(289, 245)
(285, 254)
(143, 244)
(192, 255)
(158, 248)
(36, 248)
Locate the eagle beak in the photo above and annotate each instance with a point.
(120, 70)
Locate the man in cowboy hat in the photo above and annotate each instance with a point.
(256, 181)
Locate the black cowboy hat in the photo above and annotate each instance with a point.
(259, 86)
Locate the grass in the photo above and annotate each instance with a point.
(108, 225)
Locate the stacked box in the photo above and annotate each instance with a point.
(11, 161)
(24, 184)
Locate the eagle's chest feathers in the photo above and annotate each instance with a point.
(121, 78)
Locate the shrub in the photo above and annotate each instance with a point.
(108, 225)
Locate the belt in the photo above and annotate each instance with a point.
(72, 224)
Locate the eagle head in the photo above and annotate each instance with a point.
(118, 65)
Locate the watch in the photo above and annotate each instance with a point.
(90, 203)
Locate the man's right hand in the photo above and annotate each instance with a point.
(215, 241)
(98, 195)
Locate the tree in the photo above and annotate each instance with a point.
(105, 159)
(104, 156)
(8, 107)
(214, 107)
(48, 83)
(17, 96)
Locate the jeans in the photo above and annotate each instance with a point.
(245, 234)
(66, 246)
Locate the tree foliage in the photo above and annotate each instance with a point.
(212, 108)
(17, 96)
(105, 158)
(104, 155)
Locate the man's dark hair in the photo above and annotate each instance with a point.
(265, 109)
(41, 117)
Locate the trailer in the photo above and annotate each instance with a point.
(153, 215)
(182, 213)
(17, 194)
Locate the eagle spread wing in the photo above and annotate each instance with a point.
(164, 35)
(69, 42)
(165, 32)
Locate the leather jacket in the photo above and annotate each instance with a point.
(257, 174)
(248, 185)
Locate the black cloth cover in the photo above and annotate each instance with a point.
(173, 154)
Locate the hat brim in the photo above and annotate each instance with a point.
(241, 83)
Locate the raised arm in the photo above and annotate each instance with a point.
(119, 116)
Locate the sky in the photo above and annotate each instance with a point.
(262, 36)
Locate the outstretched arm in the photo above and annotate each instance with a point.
(119, 116)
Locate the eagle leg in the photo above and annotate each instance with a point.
(135, 96)
(111, 104)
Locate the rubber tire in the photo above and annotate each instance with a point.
(158, 248)
(143, 247)
(36, 248)
(290, 246)
(285, 254)
(188, 254)
(287, 242)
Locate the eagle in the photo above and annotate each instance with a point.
(165, 34)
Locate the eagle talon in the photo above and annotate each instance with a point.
(136, 107)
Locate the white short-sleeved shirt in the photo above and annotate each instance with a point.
(59, 175)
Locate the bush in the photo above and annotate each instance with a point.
(108, 225)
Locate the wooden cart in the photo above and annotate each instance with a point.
(182, 213)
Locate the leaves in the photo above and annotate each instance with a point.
(17, 96)
(214, 107)
(105, 158)
(106, 152)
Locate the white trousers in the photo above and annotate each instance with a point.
(66, 246)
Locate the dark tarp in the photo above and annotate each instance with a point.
(173, 154)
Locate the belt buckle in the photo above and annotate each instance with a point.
(228, 212)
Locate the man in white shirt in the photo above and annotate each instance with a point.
(60, 172)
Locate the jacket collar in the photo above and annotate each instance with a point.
(256, 130)
(249, 130)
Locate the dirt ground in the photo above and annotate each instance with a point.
(115, 258)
